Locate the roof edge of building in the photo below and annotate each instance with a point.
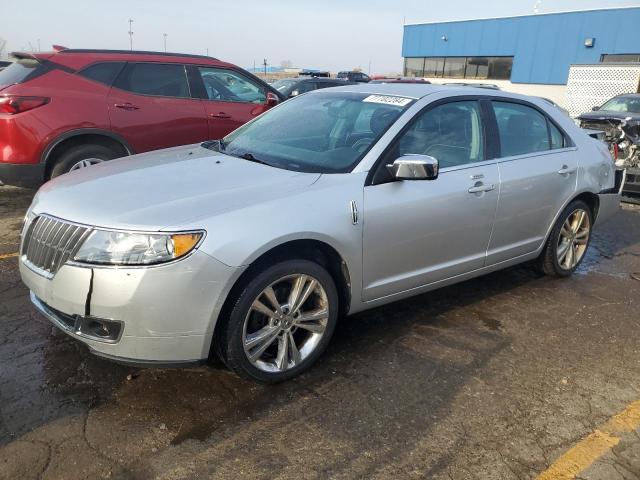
(464, 20)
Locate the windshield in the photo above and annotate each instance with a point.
(322, 132)
(622, 104)
(18, 71)
(284, 86)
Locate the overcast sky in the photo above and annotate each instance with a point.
(325, 34)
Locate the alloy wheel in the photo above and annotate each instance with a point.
(285, 323)
(573, 239)
(87, 162)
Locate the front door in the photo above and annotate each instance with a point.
(151, 107)
(230, 99)
(417, 232)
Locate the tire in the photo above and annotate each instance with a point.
(74, 155)
(552, 260)
(240, 328)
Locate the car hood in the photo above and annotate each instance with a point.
(165, 188)
(602, 115)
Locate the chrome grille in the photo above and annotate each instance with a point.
(49, 242)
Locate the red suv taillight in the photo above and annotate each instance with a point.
(12, 104)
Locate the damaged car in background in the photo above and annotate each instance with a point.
(619, 120)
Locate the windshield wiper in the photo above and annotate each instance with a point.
(215, 145)
(251, 158)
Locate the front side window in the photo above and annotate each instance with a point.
(452, 133)
(161, 80)
(229, 86)
(324, 132)
(522, 129)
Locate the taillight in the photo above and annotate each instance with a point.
(616, 151)
(12, 104)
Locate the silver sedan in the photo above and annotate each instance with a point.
(251, 247)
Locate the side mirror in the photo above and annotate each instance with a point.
(595, 109)
(414, 167)
(272, 99)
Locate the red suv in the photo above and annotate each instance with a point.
(68, 108)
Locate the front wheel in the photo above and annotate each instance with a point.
(568, 241)
(280, 323)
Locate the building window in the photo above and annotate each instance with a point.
(620, 58)
(414, 67)
(454, 67)
(433, 66)
(482, 68)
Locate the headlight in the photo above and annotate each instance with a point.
(127, 248)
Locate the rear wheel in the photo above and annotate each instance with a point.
(281, 322)
(568, 242)
(81, 156)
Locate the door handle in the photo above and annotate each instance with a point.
(127, 106)
(481, 187)
(219, 115)
(565, 170)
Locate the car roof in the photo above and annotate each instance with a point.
(311, 79)
(420, 90)
(77, 58)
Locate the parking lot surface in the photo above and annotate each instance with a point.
(502, 377)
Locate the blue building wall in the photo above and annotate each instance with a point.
(543, 46)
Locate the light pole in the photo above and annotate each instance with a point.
(130, 35)
(264, 62)
(165, 41)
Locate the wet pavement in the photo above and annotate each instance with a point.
(494, 378)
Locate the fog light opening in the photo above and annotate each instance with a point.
(101, 329)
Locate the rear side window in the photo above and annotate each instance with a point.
(522, 129)
(557, 138)
(18, 71)
(103, 72)
(161, 80)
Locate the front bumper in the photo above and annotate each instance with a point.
(22, 175)
(167, 313)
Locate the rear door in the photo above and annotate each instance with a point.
(151, 106)
(230, 99)
(538, 169)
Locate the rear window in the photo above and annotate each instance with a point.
(103, 72)
(18, 71)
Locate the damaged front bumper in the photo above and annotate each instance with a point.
(623, 138)
(161, 315)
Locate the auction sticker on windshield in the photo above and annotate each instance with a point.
(388, 100)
